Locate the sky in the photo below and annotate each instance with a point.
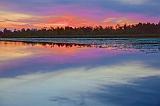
(75, 13)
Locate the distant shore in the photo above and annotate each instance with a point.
(140, 30)
(91, 36)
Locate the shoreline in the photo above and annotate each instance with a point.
(78, 40)
(89, 36)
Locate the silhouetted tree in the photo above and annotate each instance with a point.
(1, 33)
(150, 29)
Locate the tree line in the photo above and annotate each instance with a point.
(137, 30)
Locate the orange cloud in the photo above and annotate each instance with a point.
(18, 21)
(15, 25)
(74, 21)
(68, 20)
(113, 21)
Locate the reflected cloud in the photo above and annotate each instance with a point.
(37, 57)
(62, 72)
(70, 87)
(15, 50)
(9, 51)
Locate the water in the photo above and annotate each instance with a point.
(80, 72)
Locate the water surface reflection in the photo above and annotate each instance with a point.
(76, 74)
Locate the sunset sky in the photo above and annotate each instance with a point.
(46, 13)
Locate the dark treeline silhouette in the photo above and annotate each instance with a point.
(138, 30)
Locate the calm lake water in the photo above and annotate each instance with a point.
(80, 72)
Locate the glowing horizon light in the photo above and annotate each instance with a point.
(39, 14)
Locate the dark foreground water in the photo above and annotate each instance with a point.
(78, 72)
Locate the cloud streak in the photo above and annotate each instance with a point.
(69, 86)
(133, 2)
(38, 11)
